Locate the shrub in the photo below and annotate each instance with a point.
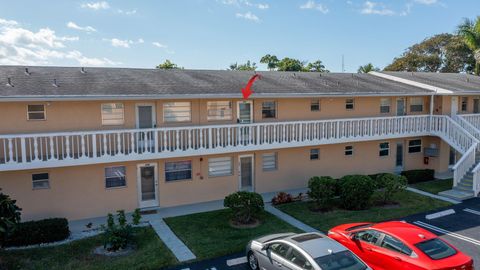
(136, 217)
(38, 232)
(391, 184)
(281, 198)
(356, 191)
(322, 191)
(245, 205)
(9, 217)
(117, 236)
(415, 176)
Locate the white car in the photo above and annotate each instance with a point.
(306, 251)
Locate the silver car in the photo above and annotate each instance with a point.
(306, 251)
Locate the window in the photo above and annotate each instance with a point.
(464, 104)
(179, 170)
(315, 105)
(36, 112)
(385, 105)
(314, 154)
(40, 181)
(220, 166)
(349, 150)
(269, 109)
(219, 110)
(279, 249)
(349, 104)
(177, 112)
(396, 245)
(436, 249)
(269, 161)
(368, 236)
(415, 146)
(384, 149)
(299, 260)
(115, 177)
(340, 260)
(416, 104)
(112, 114)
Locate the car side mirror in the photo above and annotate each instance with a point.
(265, 247)
(353, 236)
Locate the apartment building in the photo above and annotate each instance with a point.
(82, 142)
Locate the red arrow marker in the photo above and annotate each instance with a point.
(247, 91)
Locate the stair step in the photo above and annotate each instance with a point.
(456, 195)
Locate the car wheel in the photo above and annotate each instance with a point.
(252, 261)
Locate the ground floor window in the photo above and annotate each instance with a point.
(349, 150)
(179, 170)
(115, 177)
(452, 158)
(40, 181)
(269, 161)
(415, 146)
(220, 166)
(384, 149)
(314, 154)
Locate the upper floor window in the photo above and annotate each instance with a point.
(269, 109)
(177, 112)
(221, 166)
(415, 146)
(179, 170)
(115, 177)
(36, 112)
(269, 161)
(219, 110)
(464, 104)
(384, 149)
(40, 181)
(416, 104)
(112, 114)
(385, 105)
(315, 105)
(349, 104)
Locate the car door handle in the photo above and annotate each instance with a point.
(368, 248)
(398, 259)
(278, 264)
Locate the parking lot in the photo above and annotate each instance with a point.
(461, 228)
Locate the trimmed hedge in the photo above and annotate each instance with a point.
(40, 231)
(356, 191)
(322, 191)
(416, 176)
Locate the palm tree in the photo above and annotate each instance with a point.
(367, 68)
(270, 60)
(470, 31)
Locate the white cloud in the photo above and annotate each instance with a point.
(75, 26)
(159, 45)
(373, 8)
(245, 3)
(123, 43)
(248, 16)
(20, 46)
(426, 2)
(312, 5)
(4, 22)
(96, 5)
(127, 12)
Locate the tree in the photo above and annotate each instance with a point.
(168, 65)
(270, 60)
(290, 64)
(316, 66)
(440, 53)
(244, 67)
(9, 216)
(367, 68)
(469, 30)
(246, 206)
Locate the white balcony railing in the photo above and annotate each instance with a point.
(29, 151)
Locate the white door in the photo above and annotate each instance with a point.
(147, 184)
(401, 109)
(454, 109)
(245, 112)
(246, 173)
(399, 157)
(145, 120)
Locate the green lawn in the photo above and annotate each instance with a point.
(151, 253)
(210, 235)
(410, 203)
(434, 186)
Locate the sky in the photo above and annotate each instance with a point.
(212, 34)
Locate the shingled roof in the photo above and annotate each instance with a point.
(130, 83)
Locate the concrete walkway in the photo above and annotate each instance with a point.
(178, 248)
(289, 219)
(421, 192)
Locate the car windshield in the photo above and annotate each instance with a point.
(436, 249)
(344, 260)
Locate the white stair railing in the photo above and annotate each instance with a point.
(476, 180)
(466, 162)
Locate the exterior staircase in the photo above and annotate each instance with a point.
(464, 188)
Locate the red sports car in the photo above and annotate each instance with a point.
(399, 245)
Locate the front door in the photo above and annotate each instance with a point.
(399, 157)
(145, 119)
(401, 107)
(454, 108)
(147, 185)
(244, 112)
(476, 105)
(245, 164)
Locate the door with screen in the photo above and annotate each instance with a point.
(147, 185)
(401, 107)
(145, 120)
(246, 173)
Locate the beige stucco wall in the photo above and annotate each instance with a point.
(79, 192)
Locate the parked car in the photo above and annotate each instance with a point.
(400, 245)
(307, 251)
